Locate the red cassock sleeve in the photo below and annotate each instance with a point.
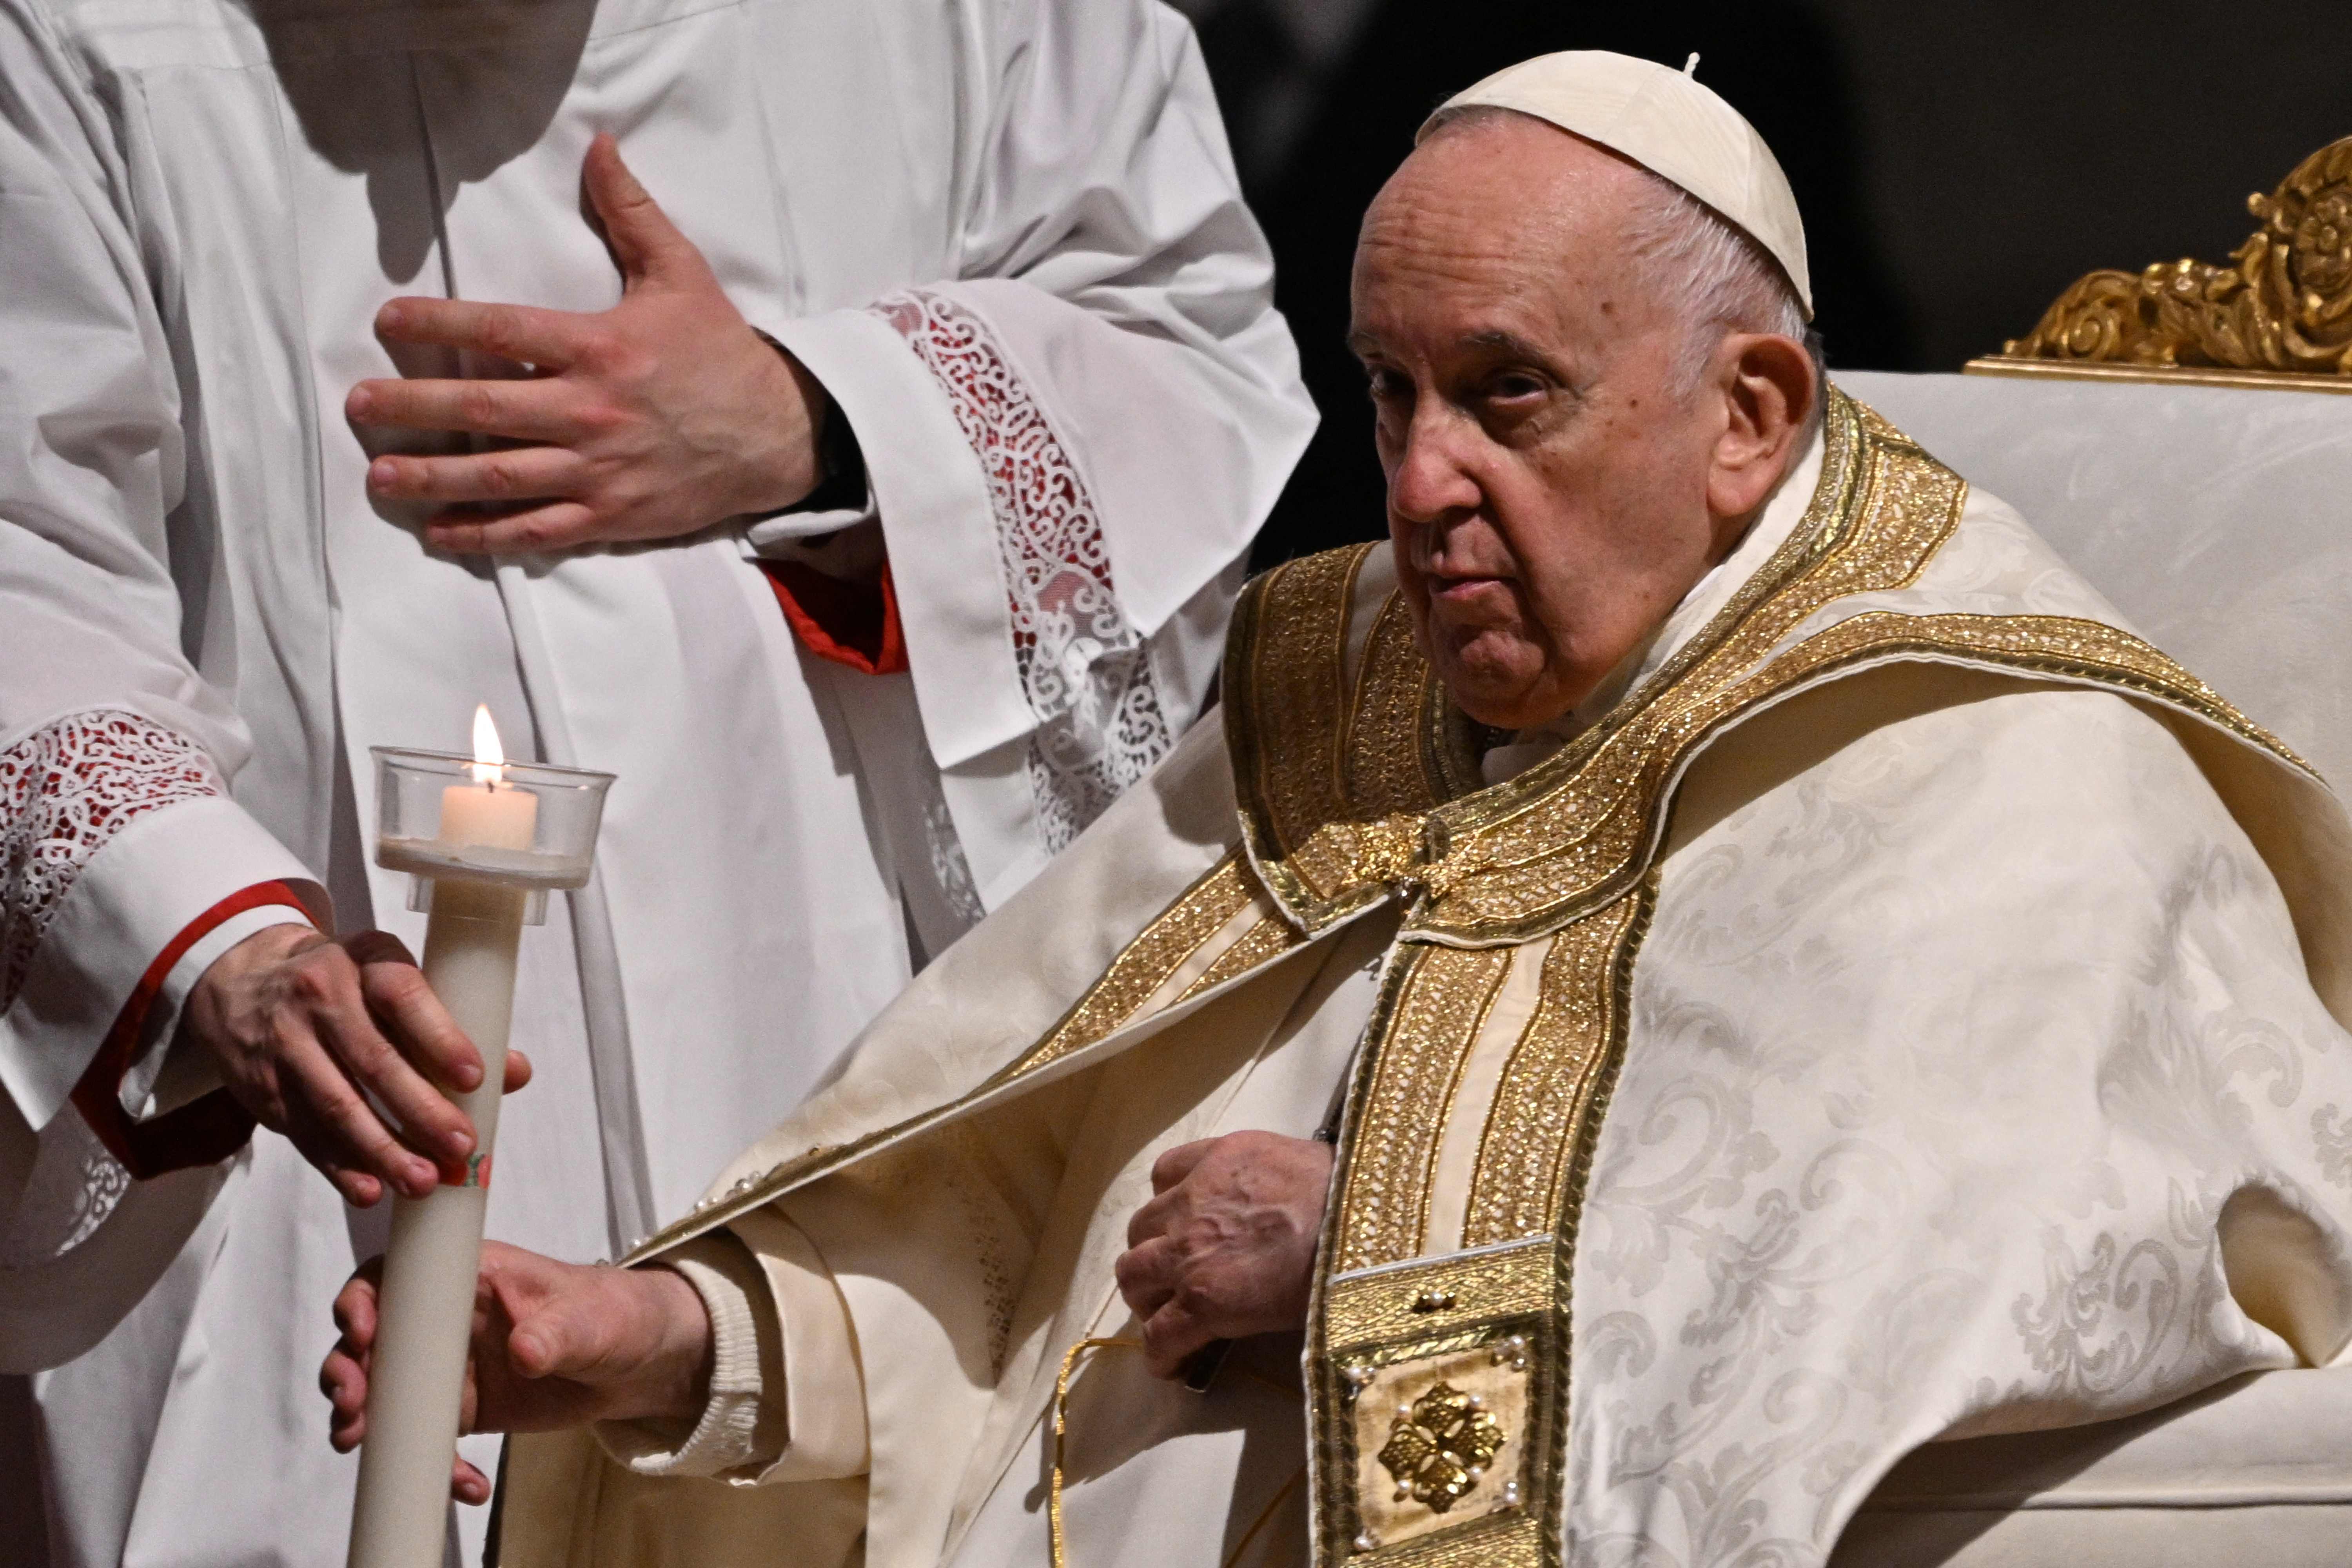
(848, 622)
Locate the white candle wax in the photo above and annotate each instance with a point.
(425, 1315)
(489, 815)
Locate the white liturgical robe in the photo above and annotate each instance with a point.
(1006, 238)
(1904, 1004)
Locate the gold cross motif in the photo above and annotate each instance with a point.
(1440, 1445)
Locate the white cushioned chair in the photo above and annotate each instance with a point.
(2218, 521)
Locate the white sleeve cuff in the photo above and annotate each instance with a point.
(932, 498)
(747, 1363)
(775, 534)
(138, 893)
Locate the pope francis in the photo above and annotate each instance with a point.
(1707, 962)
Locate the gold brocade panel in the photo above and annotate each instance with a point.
(1439, 1359)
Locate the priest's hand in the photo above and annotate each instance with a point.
(1226, 1247)
(660, 416)
(298, 1024)
(555, 1345)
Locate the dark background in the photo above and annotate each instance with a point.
(1957, 164)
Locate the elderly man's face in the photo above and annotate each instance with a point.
(1553, 489)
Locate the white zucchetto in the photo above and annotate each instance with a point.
(1666, 121)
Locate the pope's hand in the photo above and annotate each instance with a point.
(555, 1345)
(1226, 1248)
(297, 1024)
(657, 417)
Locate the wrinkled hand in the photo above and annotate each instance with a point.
(297, 1024)
(657, 417)
(555, 1345)
(1226, 1248)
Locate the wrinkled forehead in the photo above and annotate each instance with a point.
(1509, 226)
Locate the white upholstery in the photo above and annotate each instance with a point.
(2220, 521)
(2217, 518)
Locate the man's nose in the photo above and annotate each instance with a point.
(1432, 481)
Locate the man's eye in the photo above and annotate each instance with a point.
(1385, 385)
(1511, 388)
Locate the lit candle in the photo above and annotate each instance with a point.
(424, 1311)
(490, 814)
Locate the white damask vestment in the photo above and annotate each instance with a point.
(1902, 1005)
(1003, 233)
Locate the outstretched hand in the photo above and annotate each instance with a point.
(555, 1345)
(1226, 1248)
(657, 417)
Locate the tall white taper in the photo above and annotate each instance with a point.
(425, 1306)
(487, 840)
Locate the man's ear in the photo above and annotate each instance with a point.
(1769, 387)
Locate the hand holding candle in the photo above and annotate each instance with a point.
(500, 836)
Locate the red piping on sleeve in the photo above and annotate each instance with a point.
(202, 1133)
(848, 622)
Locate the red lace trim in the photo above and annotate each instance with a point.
(66, 790)
(1083, 666)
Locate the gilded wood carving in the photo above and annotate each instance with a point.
(2278, 312)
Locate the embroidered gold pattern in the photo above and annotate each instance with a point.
(1439, 1449)
(1292, 787)
(1378, 1306)
(1268, 939)
(1443, 996)
(2059, 647)
(1542, 1106)
(1329, 825)
(1391, 699)
(1144, 965)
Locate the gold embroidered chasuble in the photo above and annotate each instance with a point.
(1437, 1367)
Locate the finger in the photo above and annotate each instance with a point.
(522, 410)
(510, 474)
(1152, 1218)
(345, 1384)
(558, 525)
(336, 1128)
(542, 1343)
(517, 1070)
(358, 1188)
(395, 992)
(1170, 1335)
(467, 1484)
(647, 246)
(551, 340)
(344, 1379)
(429, 1123)
(1147, 1276)
(355, 1305)
(1177, 1164)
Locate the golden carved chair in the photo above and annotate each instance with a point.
(2176, 435)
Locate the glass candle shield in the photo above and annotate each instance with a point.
(521, 824)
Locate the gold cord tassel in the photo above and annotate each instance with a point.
(1061, 1430)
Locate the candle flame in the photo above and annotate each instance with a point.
(490, 757)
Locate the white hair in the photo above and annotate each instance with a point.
(1709, 275)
